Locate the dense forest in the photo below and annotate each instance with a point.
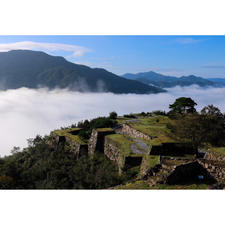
(40, 166)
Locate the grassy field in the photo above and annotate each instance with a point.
(152, 160)
(220, 150)
(66, 133)
(104, 129)
(121, 142)
(155, 127)
(143, 185)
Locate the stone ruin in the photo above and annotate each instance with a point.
(68, 139)
(128, 130)
(175, 170)
(97, 141)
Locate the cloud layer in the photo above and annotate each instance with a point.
(24, 113)
(43, 46)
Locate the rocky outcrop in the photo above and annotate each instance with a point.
(128, 130)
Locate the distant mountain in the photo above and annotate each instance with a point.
(32, 69)
(159, 80)
(219, 81)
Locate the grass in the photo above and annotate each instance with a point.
(62, 132)
(124, 142)
(136, 185)
(104, 129)
(121, 142)
(182, 187)
(122, 119)
(155, 127)
(143, 185)
(152, 160)
(218, 150)
(66, 133)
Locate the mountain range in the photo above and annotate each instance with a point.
(163, 81)
(33, 69)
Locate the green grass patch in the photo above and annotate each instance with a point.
(153, 160)
(62, 132)
(104, 129)
(182, 187)
(219, 150)
(121, 142)
(144, 185)
(66, 133)
(134, 186)
(155, 127)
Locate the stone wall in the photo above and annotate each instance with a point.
(92, 142)
(113, 153)
(214, 156)
(215, 168)
(96, 142)
(128, 130)
(69, 144)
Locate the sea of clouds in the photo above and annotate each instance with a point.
(24, 113)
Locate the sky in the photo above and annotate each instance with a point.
(170, 55)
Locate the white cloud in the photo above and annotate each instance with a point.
(42, 46)
(26, 112)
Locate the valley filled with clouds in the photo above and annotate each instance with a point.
(28, 112)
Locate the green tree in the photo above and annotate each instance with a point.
(208, 127)
(183, 105)
(214, 123)
(113, 115)
(189, 128)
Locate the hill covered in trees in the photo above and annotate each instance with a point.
(32, 69)
(179, 149)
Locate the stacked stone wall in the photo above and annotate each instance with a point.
(68, 144)
(214, 157)
(215, 168)
(97, 140)
(128, 130)
(113, 153)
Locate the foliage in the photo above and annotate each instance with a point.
(159, 113)
(41, 167)
(207, 127)
(113, 115)
(100, 122)
(132, 116)
(183, 105)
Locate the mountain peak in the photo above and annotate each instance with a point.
(27, 68)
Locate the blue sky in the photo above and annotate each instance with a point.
(170, 55)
